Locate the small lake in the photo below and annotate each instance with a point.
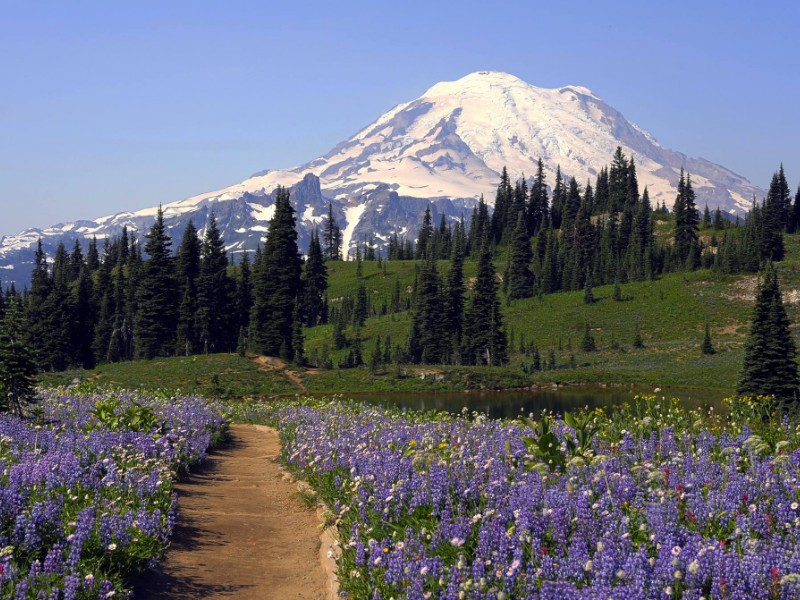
(512, 404)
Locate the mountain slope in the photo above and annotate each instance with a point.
(448, 147)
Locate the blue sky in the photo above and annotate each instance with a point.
(109, 106)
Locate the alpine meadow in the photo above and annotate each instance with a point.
(498, 344)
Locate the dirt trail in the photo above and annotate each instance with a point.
(242, 531)
(272, 363)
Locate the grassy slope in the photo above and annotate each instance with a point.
(670, 314)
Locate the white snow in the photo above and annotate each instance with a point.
(260, 212)
(308, 215)
(352, 215)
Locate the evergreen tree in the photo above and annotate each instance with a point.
(244, 294)
(770, 367)
(276, 284)
(55, 351)
(707, 347)
(332, 236)
(187, 272)
(84, 317)
(427, 342)
(315, 283)
(537, 204)
(35, 315)
(156, 298)
(17, 365)
(484, 337)
(686, 221)
(587, 343)
(215, 294)
(425, 235)
(520, 276)
(453, 300)
(502, 206)
(361, 309)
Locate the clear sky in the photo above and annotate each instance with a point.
(110, 106)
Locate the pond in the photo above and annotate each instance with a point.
(511, 404)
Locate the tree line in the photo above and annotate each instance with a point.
(139, 302)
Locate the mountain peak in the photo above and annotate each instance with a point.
(444, 149)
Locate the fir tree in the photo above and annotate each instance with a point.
(17, 365)
(315, 283)
(427, 342)
(769, 367)
(484, 337)
(453, 300)
(332, 236)
(244, 294)
(276, 283)
(707, 347)
(215, 294)
(520, 276)
(587, 343)
(425, 235)
(156, 298)
(187, 271)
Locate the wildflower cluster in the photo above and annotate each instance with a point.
(662, 502)
(86, 493)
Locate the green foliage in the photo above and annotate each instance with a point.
(770, 366)
(17, 366)
(109, 413)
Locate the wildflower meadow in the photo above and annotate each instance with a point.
(656, 501)
(86, 489)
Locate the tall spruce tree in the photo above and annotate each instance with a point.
(427, 342)
(215, 294)
(276, 283)
(17, 365)
(332, 236)
(770, 366)
(315, 283)
(485, 339)
(453, 299)
(425, 235)
(156, 298)
(520, 276)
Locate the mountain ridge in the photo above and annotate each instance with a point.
(446, 147)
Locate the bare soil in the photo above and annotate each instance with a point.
(242, 531)
(272, 363)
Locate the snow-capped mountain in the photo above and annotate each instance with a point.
(447, 147)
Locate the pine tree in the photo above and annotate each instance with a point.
(332, 236)
(427, 342)
(587, 343)
(84, 317)
(537, 204)
(686, 221)
(707, 347)
(276, 284)
(425, 235)
(453, 300)
(315, 283)
(484, 337)
(244, 294)
(17, 365)
(156, 297)
(361, 309)
(35, 314)
(520, 276)
(187, 271)
(770, 366)
(215, 294)
(55, 351)
(502, 206)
